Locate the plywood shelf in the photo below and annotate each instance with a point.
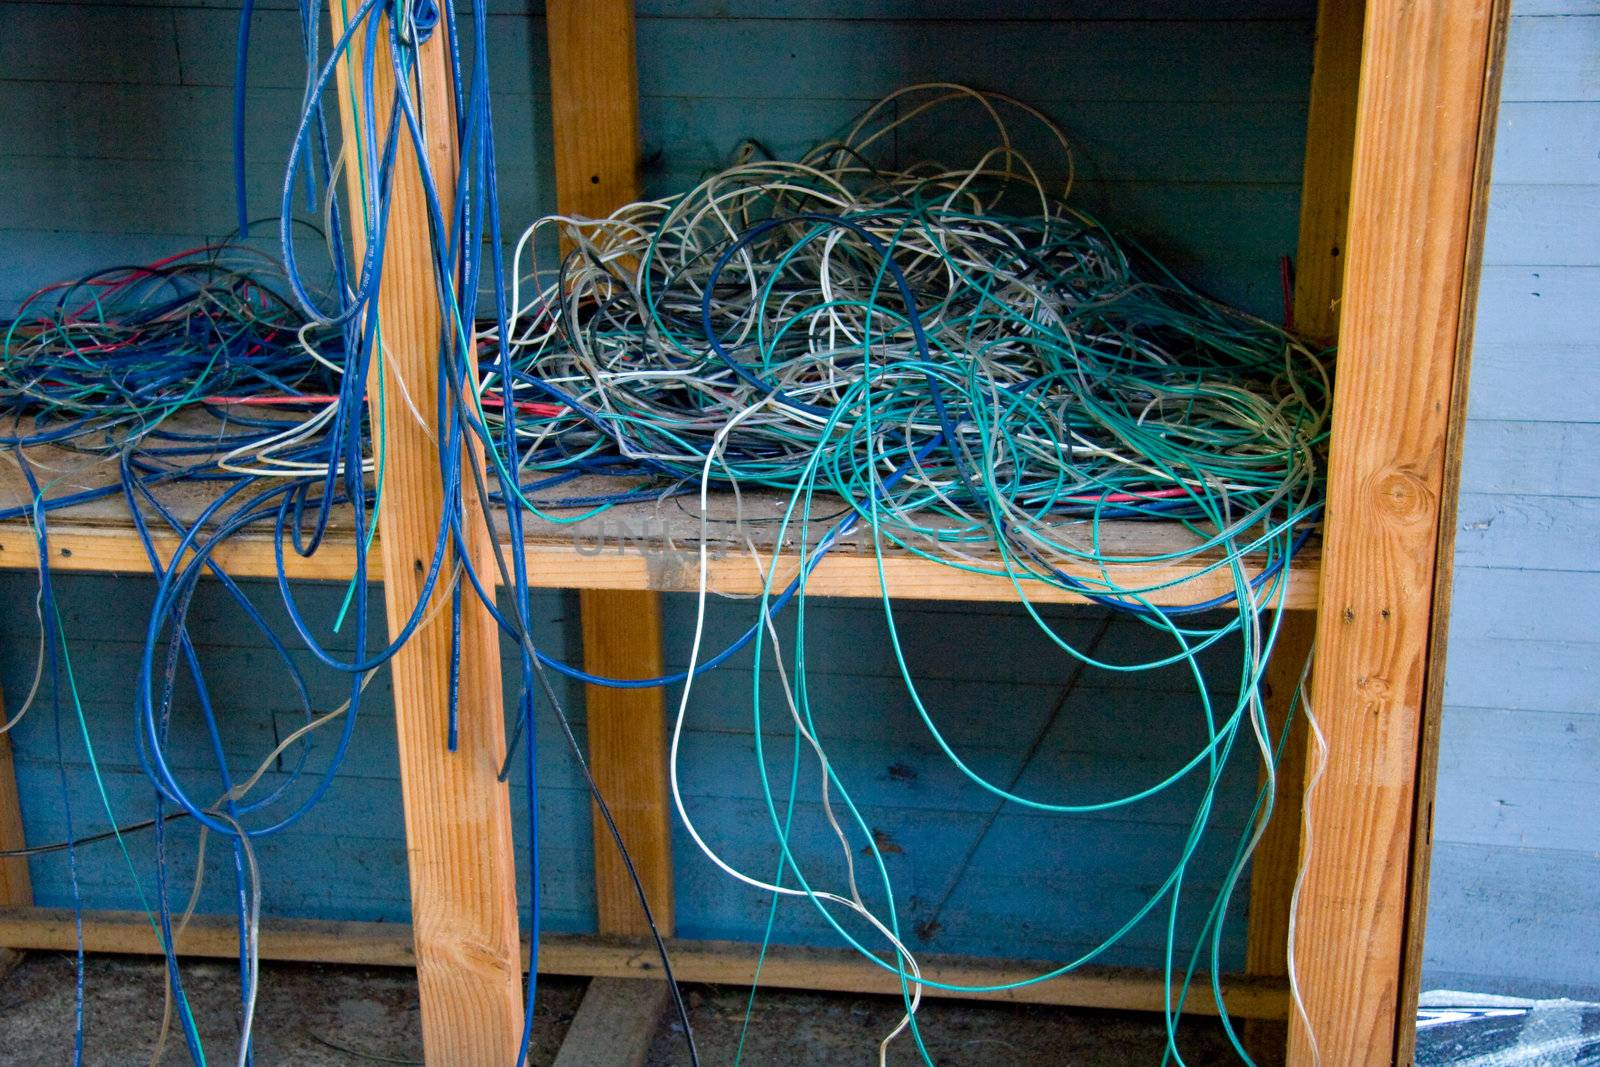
(649, 545)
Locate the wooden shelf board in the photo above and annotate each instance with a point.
(649, 545)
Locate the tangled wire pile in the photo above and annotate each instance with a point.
(959, 353)
(983, 375)
(109, 356)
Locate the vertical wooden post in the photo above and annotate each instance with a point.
(457, 815)
(594, 102)
(1319, 281)
(1444, 569)
(1277, 858)
(627, 751)
(1325, 187)
(15, 886)
(1409, 263)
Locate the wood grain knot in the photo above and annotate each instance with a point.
(1403, 496)
(1375, 687)
(463, 953)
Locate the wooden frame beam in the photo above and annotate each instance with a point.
(1444, 563)
(1276, 862)
(615, 1024)
(457, 814)
(1318, 285)
(16, 887)
(1418, 173)
(594, 100)
(112, 549)
(718, 962)
(1325, 183)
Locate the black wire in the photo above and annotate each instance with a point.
(524, 639)
(90, 839)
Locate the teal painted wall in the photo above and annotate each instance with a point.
(1516, 860)
(971, 876)
(1188, 119)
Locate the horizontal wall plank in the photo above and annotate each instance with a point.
(1176, 61)
(767, 58)
(1546, 746)
(1534, 382)
(966, 10)
(190, 123)
(1233, 142)
(876, 10)
(345, 861)
(1544, 225)
(1532, 307)
(1532, 675)
(1532, 458)
(1512, 643)
(1547, 143)
(40, 42)
(1556, 7)
(1067, 887)
(207, 39)
(38, 257)
(1514, 920)
(189, 195)
(1518, 779)
(1514, 604)
(1531, 532)
(1552, 58)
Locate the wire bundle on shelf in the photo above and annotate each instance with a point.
(958, 352)
(987, 377)
(109, 356)
(983, 375)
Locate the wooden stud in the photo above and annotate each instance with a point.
(615, 1024)
(1325, 186)
(594, 102)
(457, 815)
(1409, 261)
(1319, 281)
(1444, 563)
(1276, 862)
(15, 886)
(627, 755)
(716, 962)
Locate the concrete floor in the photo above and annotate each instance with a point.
(313, 1016)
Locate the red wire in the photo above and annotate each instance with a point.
(263, 400)
(1286, 276)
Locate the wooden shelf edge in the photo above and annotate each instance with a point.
(106, 549)
(835, 970)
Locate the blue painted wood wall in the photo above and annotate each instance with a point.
(970, 876)
(1188, 118)
(1516, 860)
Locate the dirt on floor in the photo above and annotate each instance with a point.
(321, 1016)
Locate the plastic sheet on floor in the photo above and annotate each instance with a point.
(1457, 1029)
